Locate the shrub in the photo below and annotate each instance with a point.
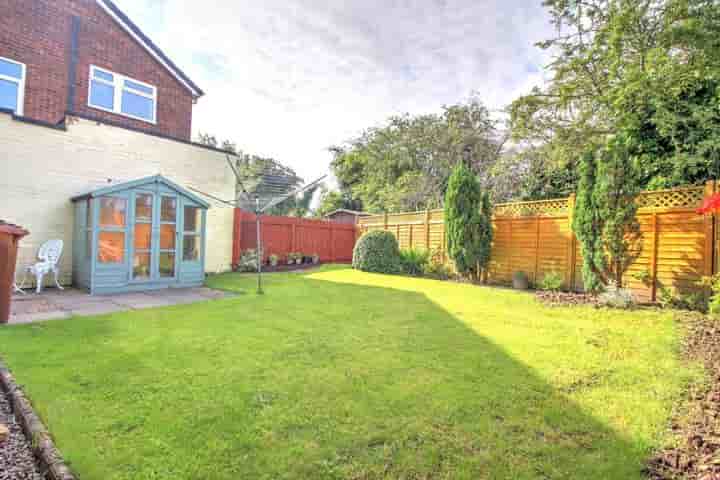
(435, 267)
(248, 261)
(377, 252)
(551, 281)
(414, 261)
(616, 297)
(438, 271)
(672, 298)
(714, 305)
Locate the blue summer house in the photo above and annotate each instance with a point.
(140, 235)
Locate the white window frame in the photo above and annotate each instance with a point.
(118, 84)
(20, 82)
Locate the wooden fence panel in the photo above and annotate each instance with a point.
(677, 247)
(554, 235)
(333, 241)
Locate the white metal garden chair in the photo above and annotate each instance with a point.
(49, 256)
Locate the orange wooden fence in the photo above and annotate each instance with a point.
(676, 249)
(333, 241)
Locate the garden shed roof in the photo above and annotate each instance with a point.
(155, 179)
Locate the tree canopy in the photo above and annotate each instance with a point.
(265, 178)
(647, 70)
(406, 163)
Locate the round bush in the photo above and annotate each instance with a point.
(377, 252)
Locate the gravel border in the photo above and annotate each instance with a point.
(49, 459)
(696, 425)
(17, 461)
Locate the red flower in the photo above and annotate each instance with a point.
(710, 204)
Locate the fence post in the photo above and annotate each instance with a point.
(654, 258)
(410, 235)
(709, 220)
(571, 246)
(537, 250)
(427, 230)
(716, 242)
(292, 236)
(332, 242)
(386, 220)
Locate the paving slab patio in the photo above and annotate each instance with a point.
(55, 304)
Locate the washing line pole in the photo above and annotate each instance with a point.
(273, 184)
(259, 246)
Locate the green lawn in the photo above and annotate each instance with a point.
(342, 374)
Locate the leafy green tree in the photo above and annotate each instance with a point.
(405, 164)
(646, 70)
(468, 232)
(265, 178)
(605, 220)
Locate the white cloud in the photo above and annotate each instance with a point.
(288, 78)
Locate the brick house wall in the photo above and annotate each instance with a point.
(38, 33)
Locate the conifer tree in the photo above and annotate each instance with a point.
(605, 220)
(467, 222)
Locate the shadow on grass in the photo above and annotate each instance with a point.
(316, 379)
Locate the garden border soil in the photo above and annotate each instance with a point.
(49, 458)
(696, 455)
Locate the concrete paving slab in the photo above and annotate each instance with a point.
(137, 301)
(210, 293)
(32, 305)
(186, 298)
(54, 304)
(91, 309)
(39, 317)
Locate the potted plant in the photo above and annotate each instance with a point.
(291, 258)
(274, 260)
(298, 258)
(315, 258)
(520, 281)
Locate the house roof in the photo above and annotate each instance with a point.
(351, 212)
(118, 187)
(148, 44)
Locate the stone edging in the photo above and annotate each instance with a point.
(42, 445)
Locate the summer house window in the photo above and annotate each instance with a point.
(111, 235)
(12, 85)
(168, 231)
(143, 235)
(119, 94)
(192, 229)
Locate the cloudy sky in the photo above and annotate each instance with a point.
(289, 78)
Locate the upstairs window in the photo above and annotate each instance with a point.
(119, 94)
(12, 85)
